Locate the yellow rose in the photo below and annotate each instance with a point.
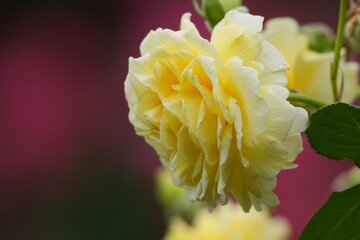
(309, 70)
(230, 223)
(216, 112)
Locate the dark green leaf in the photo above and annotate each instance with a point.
(334, 131)
(338, 219)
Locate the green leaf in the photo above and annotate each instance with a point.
(334, 131)
(338, 219)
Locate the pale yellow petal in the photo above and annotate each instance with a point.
(285, 35)
(187, 25)
(242, 83)
(252, 24)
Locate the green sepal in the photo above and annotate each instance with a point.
(214, 12)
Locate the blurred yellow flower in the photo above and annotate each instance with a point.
(309, 70)
(230, 223)
(346, 179)
(216, 112)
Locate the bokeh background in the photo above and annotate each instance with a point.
(71, 166)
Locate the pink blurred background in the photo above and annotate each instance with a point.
(71, 166)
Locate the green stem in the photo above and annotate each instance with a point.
(296, 97)
(337, 51)
(358, 92)
(198, 9)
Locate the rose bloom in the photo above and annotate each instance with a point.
(309, 70)
(216, 111)
(230, 223)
